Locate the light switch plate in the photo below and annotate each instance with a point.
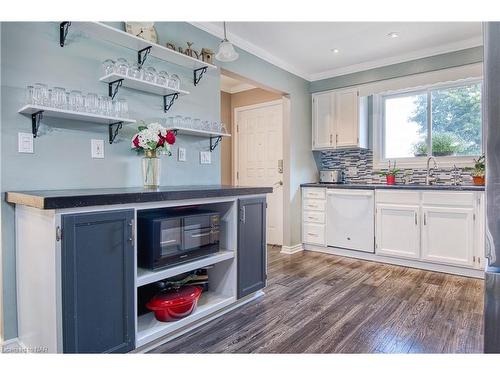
(25, 143)
(97, 148)
(182, 154)
(205, 157)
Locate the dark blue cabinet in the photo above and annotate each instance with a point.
(97, 263)
(251, 245)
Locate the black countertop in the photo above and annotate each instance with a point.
(396, 187)
(56, 199)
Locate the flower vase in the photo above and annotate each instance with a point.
(390, 179)
(150, 170)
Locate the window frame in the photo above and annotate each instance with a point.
(379, 159)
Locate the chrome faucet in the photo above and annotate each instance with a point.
(428, 179)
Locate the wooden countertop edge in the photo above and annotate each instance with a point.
(25, 199)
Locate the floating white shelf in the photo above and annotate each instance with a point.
(200, 133)
(145, 276)
(72, 115)
(141, 85)
(121, 38)
(149, 329)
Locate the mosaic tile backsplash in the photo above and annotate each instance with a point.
(358, 167)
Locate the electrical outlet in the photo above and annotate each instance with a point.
(25, 143)
(97, 148)
(182, 154)
(205, 157)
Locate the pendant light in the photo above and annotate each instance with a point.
(226, 52)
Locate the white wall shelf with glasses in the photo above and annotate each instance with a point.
(37, 111)
(143, 47)
(141, 85)
(215, 137)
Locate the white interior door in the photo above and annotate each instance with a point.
(259, 151)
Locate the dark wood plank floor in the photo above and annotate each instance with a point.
(319, 303)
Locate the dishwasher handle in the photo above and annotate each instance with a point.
(351, 192)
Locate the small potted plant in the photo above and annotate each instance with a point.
(479, 171)
(390, 174)
(152, 140)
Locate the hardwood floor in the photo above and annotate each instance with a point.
(319, 303)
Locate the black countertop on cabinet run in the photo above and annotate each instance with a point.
(397, 187)
(56, 199)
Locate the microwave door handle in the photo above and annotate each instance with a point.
(200, 235)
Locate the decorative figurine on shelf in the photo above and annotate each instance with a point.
(189, 51)
(144, 30)
(171, 45)
(207, 55)
(153, 140)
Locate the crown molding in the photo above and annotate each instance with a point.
(414, 55)
(250, 47)
(270, 58)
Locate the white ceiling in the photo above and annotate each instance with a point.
(304, 48)
(233, 85)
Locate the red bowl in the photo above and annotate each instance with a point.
(175, 304)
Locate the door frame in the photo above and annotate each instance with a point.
(285, 123)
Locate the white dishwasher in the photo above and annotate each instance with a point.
(350, 219)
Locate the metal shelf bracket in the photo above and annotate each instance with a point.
(142, 55)
(35, 122)
(63, 32)
(113, 91)
(214, 145)
(168, 101)
(114, 132)
(198, 73)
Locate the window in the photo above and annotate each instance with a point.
(439, 121)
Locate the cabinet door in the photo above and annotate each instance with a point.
(346, 118)
(322, 121)
(398, 231)
(251, 255)
(98, 282)
(447, 235)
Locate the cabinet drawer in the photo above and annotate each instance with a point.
(313, 217)
(442, 198)
(313, 234)
(314, 193)
(401, 197)
(314, 205)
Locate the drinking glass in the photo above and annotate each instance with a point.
(92, 103)
(178, 121)
(174, 82)
(188, 122)
(105, 106)
(134, 71)
(196, 124)
(50, 99)
(29, 94)
(121, 66)
(108, 66)
(215, 127)
(40, 94)
(162, 78)
(205, 125)
(169, 122)
(59, 97)
(149, 74)
(223, 128)
(76, 101)
(121, 108)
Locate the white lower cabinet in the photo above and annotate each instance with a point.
(398, 231)
(313, 216)
(447, 235)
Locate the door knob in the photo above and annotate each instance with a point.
(279, 183)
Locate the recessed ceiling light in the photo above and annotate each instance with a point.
(335, 50)
(393, 34)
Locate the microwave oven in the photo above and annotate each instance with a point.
(168, 237)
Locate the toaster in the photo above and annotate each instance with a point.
(331, 176)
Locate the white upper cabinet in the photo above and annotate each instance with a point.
(447, 235)
(339, 120)
(322, 121)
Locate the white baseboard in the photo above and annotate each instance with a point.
(468, 272)
(291, 249)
